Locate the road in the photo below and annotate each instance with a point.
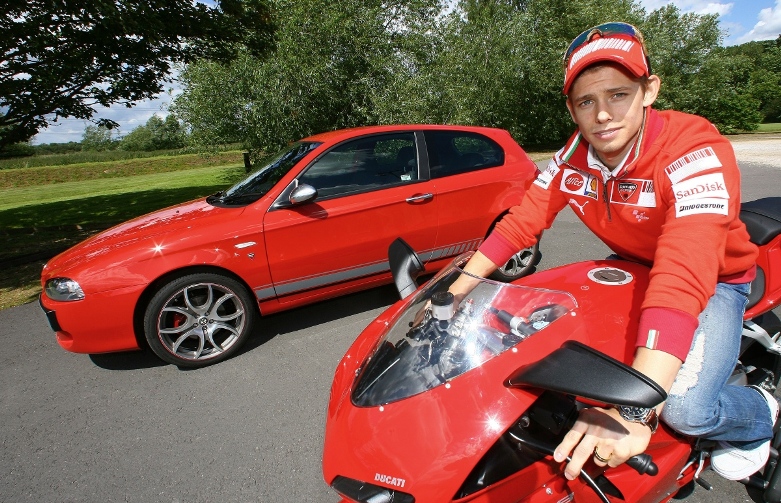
(124, 427)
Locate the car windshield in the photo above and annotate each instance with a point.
(260, 181)
(433, 341)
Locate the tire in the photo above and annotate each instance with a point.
(521, 264)
(199, 319)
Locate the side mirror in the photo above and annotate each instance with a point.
(303, 194)
(576, 369)
(405, 266)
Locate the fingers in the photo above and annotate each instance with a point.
(599, 459)
(596, 436)
(577, 446)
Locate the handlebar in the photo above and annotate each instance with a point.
(644, 464)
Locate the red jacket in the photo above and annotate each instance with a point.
(674, 205)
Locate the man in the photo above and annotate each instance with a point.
(661, 188)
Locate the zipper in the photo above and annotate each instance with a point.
(607, 198)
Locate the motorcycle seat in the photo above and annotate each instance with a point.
(762, 218)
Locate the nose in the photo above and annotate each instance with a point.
(603, 115)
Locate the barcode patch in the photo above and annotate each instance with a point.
(691, 163)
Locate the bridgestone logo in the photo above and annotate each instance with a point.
(701, 206)
(704, 205)
(602, 43)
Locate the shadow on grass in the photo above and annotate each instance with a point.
(98, 210)
(31, 234)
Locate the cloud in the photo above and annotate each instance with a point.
(768, 26)
(71, 129)
(696, 6)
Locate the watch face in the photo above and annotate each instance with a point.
(634, 413)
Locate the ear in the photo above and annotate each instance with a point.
(653, 84)
(569, 107)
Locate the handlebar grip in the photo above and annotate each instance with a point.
(644, 464)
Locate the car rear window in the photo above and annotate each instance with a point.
(454, 152)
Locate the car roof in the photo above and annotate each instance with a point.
(340, 134)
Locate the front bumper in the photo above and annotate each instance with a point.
(101, 323)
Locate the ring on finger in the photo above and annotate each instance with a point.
(600, 458)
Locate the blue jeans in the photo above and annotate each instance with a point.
(700, 402)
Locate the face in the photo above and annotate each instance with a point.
(607, 104)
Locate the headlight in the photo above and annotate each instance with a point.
(63, 289)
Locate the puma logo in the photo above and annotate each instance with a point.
(579, 206)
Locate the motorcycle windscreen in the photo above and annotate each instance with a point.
(433, 340)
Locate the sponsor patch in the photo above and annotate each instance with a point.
(691, 163)
(711, 185)
(634, 193)
(702, 205)
(580, 184)
(545, 177)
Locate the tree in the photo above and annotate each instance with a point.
(765, 76)
(97, 138)
(331, 59)
(156, 134)
(487, 62)
(60, 59)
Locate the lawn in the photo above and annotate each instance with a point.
(769, 128)
(56, 207)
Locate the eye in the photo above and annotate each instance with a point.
(585, 103)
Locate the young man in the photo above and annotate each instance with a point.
(661, 188)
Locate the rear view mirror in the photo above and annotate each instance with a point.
(576, 369)
(303, 194)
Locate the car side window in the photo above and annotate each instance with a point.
(454, 152)
(364, 164)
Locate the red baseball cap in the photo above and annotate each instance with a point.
(621, 43)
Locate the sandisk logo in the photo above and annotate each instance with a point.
(712, 185)
(391, 481)
(573, 182)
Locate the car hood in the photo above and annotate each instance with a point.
(142, 233)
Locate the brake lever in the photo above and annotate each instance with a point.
(642, 463)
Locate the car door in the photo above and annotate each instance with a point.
(475, 180)
(368, 194)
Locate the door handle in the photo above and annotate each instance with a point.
(421, 197)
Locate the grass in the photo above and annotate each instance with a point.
(774, 127)
(91, 157)
(40, 214)
(42, 175)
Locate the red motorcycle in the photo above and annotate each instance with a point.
(437, 402)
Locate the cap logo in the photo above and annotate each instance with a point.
(599, 44)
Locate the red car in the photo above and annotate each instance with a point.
(191, 281)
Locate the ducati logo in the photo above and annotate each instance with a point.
(626, 189)
(391, 481)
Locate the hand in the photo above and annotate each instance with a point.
(603, 431)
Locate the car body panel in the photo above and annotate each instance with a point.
(286, 255)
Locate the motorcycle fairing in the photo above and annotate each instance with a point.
(419, 440)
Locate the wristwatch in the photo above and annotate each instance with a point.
(641, 415)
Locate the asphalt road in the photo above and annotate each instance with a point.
(124, 427)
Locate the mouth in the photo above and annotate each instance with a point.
(607, 134)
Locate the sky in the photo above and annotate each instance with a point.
(743, 20)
